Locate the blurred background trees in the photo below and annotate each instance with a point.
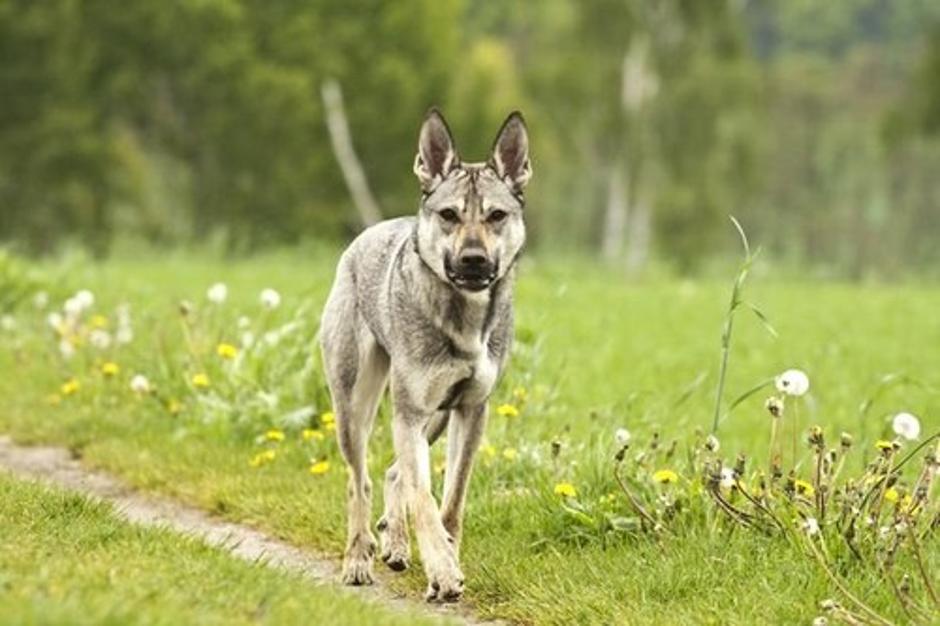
(817, 124)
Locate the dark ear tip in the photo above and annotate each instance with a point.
(433, 111)
(516, 116)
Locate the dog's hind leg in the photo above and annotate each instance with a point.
(357, 370)
(393, 526)
(463, 439)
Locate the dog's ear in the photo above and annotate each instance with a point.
(510, 156)
(437, 155)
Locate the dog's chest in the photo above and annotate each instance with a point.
(472, 375)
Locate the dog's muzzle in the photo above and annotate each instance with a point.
(472, 271)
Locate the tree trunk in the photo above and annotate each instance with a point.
(639, 234)
(615, 217)
(353, 174)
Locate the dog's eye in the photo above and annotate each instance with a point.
(497, 216)
(449, 215)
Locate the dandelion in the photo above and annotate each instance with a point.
(906, 425)
(140, 384)
(712, 444)
(792, 382)
(490, 451)
(270, 299)
(262, 458)
(318, 468)
(622, 436)
(217, 293)
(56, 322)
(227, 351)
(100, 339)
(884, 445)
(66, 349)
(8, 323)
(174, 407)
(274, 435)
(892, 495)
(510, 454)
(110, 369)
(804, 488)
(98, 321)
(124, 334)
(774, 406)
(200, 381)
(727, 478)
(328, 420)
(311, 434)
(810, 526)
(507, 410)
(69, 387)
(73, 308)
(566, 490)
(521, 394)
(85, 298)
(665, 476)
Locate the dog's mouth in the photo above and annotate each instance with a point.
(471, 280)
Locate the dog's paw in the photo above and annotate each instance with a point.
(445, 588)
(357, 563)
(396, 551)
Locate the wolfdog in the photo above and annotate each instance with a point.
(425, 304)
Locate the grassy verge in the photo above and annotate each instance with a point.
(67, 560)
(594, 354)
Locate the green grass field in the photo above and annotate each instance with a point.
(594, 353)
(67, 560)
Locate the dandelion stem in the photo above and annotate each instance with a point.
(633, 502)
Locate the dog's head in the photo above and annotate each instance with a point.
(470, 224)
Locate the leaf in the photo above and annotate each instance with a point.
(580, 516)
(747, 247)
(763, 318)
(747, 394)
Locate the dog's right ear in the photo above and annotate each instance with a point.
(437, 155)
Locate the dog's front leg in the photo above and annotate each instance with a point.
(445, 581)
(463, 439)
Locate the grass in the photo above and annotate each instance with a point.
(594, 353)
(68, 560)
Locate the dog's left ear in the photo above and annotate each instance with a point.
(510, 156)
(437, 155)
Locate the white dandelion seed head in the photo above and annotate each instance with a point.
(85, 298)
(244, 322)
(248, 339)
(140, 384)
(8, 323)
(54, 320)
(821, 621)
(217, 293)
(124, 335)
(622, 436)
(811, 526)
(270, 299)
(73, 307)
(712, 444)
(792, 382)
(727, 479)
(66, 349)
(907, 425)
(41, 300)
(100, 339)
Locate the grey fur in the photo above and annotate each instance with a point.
(424, 304)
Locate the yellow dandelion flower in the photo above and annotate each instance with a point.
(319, 467)
(566, 490)
(311, 434)
(69, 387)
(490, 451)
(98, 321)
(892, 495)
(510, 454)
(507, 410)
(274, 435)
(884, 445)
(328, 418)
(804, 488)
(439, 467)
(174, 406)
(200, 380)
(110, 369)
(520, 393)
(665, 476)
(262, 458)
(227, 351)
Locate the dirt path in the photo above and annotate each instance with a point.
(56, 466)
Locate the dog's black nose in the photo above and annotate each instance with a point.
(472, 260)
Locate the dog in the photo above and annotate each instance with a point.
(424, 305)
